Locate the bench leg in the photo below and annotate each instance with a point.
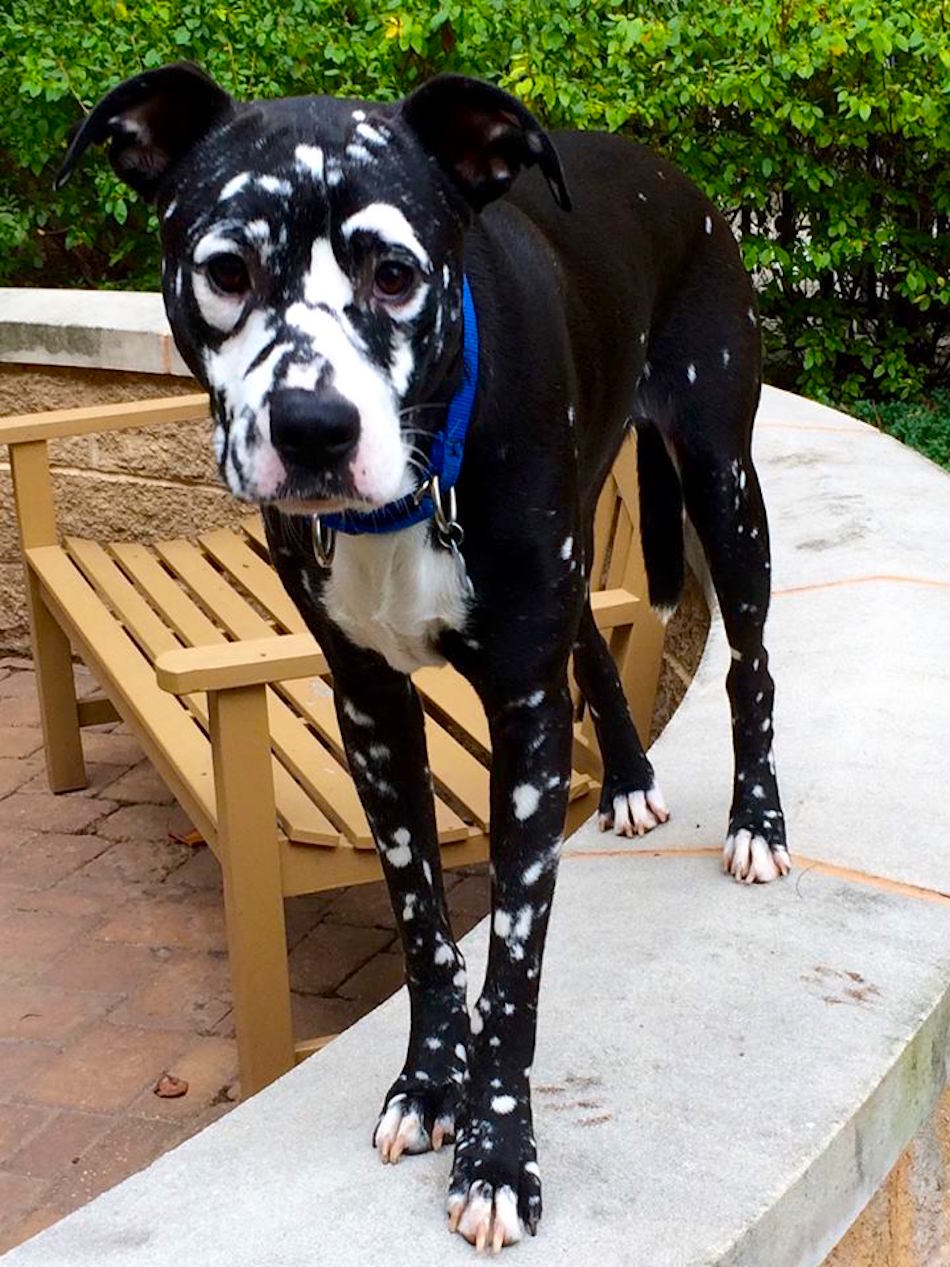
(52, 657)
(56, 688)
(253, 894)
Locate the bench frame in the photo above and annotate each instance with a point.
(232, 804)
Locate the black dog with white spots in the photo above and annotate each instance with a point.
(319, 256)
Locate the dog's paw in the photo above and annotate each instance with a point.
(485, 1215)
(633, 813)
(751, 859)
(416, 1118)
(495, 1190)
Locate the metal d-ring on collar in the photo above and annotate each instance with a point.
(324, 542)
(450, 532)
(435, 498)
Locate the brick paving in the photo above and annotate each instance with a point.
(113, 968)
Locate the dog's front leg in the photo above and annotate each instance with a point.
(495, 1186)
(381, 722)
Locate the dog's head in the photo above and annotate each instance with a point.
(312, 263)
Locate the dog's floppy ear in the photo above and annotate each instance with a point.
(482, 137)
(150, 121)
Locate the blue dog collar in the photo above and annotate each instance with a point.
(435, 498)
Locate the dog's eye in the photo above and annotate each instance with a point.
(228, 274)
(393, 279)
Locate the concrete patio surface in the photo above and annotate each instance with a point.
(724, 1075)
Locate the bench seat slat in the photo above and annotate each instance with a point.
(452, 766)
(298, 815)
(258, 577)
(164, 725)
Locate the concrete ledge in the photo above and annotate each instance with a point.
(724, 1075)
(90, 329)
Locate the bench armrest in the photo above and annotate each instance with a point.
(253, 662)
(613, 607)
(57, 423)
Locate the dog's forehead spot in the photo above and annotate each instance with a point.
(276, 185)
(309, 161)
(216, 241)
(234, 186)
(387, 223)
(333, 169)
(359, 155)
(325, 282)
(377, 136)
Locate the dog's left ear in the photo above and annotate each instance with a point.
(482, 137)
(150, 121)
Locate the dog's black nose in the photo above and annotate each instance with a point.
(313, 429)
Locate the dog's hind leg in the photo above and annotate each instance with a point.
(706, 369)
(630, 800)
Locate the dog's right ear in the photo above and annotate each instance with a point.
(482, 137)
(150, 121)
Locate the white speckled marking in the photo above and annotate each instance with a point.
(526, 798)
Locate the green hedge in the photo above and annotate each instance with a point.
(821, 126)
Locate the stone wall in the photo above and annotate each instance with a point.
(907, 1221)
(143, 484)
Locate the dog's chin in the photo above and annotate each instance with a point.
(294, 504)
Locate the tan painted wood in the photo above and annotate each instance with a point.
(449, 695)
(54, 424)
(306, 759)
(620, 548)
(603, 527)
(253, 893)
(170, 736)
(311, 1045)
(614, 607)
(248, 568)
(52, 654)
(97, 711)
(253, 662)
(253, 528)
(360, 866)
(300, 817)
(638, 652)
(451, 765)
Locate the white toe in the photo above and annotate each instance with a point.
(507, 1229)
(742, 849)
(728, 849)
(657, 803)
(400, 1132)
(388, 1127)
(762, 868)
(622, 824)
(475, 1223)
(643, 820)
(412, 1137)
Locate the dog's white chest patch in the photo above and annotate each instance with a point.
(395, 593)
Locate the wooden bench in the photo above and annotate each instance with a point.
(199, 650)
